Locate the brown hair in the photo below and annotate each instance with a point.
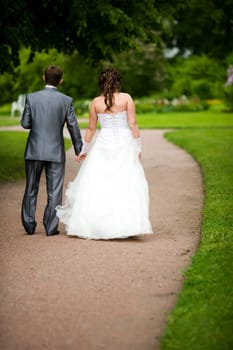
(53, 75)
(109, 82)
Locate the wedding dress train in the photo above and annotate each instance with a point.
(109, 197)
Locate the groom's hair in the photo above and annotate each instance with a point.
(53, 75)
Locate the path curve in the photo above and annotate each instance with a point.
(73, 294)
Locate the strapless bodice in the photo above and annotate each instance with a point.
(115, 120)
(114, 127)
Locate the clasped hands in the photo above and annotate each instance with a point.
(80, 157)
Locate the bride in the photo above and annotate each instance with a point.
(109, 197)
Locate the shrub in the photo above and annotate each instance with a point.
(5, 110)
(197, 75)
(182, 86)
(228, 97)
(163, 105)
(6, 88)
(143, 106)
(202, 88)
(82, 107)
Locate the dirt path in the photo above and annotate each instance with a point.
(73, 294)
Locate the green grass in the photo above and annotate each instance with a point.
(8, 121)
(12, 145)
(205, 119)
(203, 316)
(185, 119)
(211, 117)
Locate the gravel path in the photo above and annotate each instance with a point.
(61, 293)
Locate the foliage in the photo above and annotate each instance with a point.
(202, 27)
(91, 27)
(203, 316)
(165, 105)
(82, 107)
(76, 72)
(5, 110)
(229, 59)
(142, 69)
(88, 26)
(28, 76)
(12, 146)
(228, 97)
(80, 78)
(7, 88)
(197, 75)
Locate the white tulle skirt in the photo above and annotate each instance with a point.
(109, 197)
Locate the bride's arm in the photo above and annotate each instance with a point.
(92, 124)
(133, 124)
(89, 132)
(132, 117)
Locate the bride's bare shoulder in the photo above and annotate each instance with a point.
(125, 95)
(97, 99)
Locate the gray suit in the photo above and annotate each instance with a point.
(45, 114)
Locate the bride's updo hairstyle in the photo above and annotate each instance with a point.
(109, 82)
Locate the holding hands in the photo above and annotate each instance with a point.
(82, 155)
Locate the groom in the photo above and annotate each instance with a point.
(45, 114)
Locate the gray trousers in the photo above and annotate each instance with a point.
(54, 184)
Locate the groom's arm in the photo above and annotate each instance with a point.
(73, 128)
(26, 120)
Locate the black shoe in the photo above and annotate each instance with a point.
(30, 228)
(53, 233)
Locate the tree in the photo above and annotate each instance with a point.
(202, 26)
(96, 28)
(142, 72)
(142, 69)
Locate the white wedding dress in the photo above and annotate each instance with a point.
(109, 197)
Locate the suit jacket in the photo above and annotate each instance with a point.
(45, 113)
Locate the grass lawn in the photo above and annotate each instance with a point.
(185, 119)
(211, 117)
(8, 121)
(12, 145)
(203, 316)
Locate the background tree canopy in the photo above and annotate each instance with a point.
(83, 36)
(99, 28)
(202, 26)
(95, 28)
